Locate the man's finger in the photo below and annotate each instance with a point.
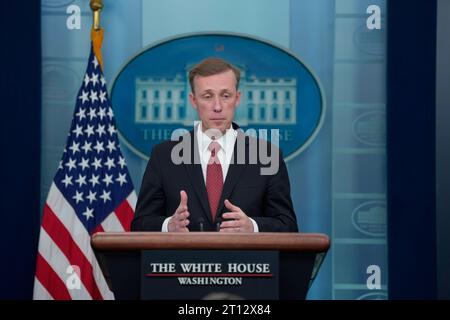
(182, 223)
(181, 209)
(180, 216)
(228, 224)
(231, 206)
(184, 215)
(183, 198)
(183, 202)
(232, 215)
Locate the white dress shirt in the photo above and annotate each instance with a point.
(224, 154)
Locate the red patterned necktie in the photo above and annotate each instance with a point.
(214, 179)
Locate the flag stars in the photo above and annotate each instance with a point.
(110, 163)
(91, 197)
(99, 147)
(94, 180)
(78, 197)
(89, 213)
(84, 163)
(103, 81)
(102, 112)
(75, 147)
(108, 179)
(81, 114)
(100, 130)
(81, 180)
(94, 79)
(67, 181)
(102, 96)
(121, 162)
(71, 164)
(86, 147)
(78, 131)
(111, 146)
(97, 163)
(86, 80)
(60, 165)
(121, 179)
(111, 129)
(95, 62)
(84, 96)
(89, 130)
(92, 114)
(106, 196)
(110, 113)
(93, 96)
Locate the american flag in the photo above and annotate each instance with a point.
(91, 192)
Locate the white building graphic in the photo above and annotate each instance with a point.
(264, 101)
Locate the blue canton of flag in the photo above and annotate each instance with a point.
(92, 174)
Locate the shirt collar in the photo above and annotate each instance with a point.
(226, 141)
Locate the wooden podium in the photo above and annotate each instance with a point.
(299, 256)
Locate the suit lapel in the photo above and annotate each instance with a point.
(194, 171)
(195, 174)
(235, 170)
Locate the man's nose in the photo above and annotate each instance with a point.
(217, 107)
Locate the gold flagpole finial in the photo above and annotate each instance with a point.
(97, 31)
(96, 7)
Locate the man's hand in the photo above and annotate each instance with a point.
(179, 220)
(240, 222)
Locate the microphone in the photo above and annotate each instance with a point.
(218, 222)
(201, 222)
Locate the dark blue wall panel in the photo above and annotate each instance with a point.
(20, 87)
(411, 149)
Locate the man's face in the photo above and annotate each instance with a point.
(215, 100)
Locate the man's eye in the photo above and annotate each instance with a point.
(207, 96)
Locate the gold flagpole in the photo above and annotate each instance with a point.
(96, 7)
(97, 31)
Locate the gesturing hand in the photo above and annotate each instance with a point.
(179, 220)
(240, 223)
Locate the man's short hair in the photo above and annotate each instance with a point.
(212, 66)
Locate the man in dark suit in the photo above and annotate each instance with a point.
(214, 178)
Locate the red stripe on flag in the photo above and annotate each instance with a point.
(125, 214)
(50, 280)
(63, 239)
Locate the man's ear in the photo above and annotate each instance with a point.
(238, 98)
(192, 100)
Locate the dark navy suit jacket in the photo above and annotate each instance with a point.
(264, 198)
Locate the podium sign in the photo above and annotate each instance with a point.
(209, 274)
(151, 265)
